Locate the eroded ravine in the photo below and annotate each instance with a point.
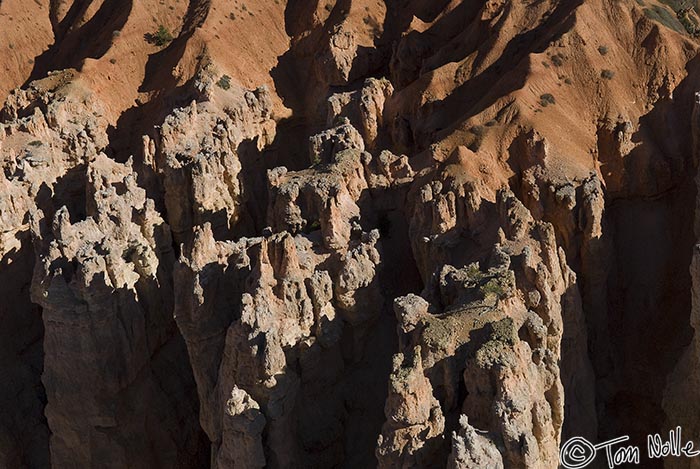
(409, 234)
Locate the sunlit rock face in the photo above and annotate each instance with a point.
(406, 234)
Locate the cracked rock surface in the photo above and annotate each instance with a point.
(398, 234)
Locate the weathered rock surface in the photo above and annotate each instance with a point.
(415, 424)
(47, 134)
(196, 156)
(405, 234)
(105, 286)
(495, 332)
(301, 291)
(471, 449)
(364, 108)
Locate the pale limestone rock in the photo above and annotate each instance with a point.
(387, 170)
(287, 301)
(575, 208)
(472, 450)
(481, 327)
(364, 108)
(309, 200)
(341, 59)
(196, 155)
(49, 131)
(105, 287)
(288, 333)
(323, 146)
(414, 429)
(242, 429)
(295, 292)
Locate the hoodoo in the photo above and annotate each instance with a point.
(348, 233)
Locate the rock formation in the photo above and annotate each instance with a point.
(105, 288)
(405, 234)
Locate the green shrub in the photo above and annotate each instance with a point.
(492, 287)
(474, 272)
(315, 159)
(688, 23)
(224, 82)
(603, 50)
(607, 74)
(35, 143)
(547, 99)
(160, 38)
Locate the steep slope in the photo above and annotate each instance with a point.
(344, 233)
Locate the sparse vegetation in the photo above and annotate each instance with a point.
(35, 143)
(607, 74)
(688, 23)
(665, 17)
(603, 50)
(685, 12)
(493, 287)
(232, 16)
(558, 60)
(224, 82)
(547, 99)
(474, 272)
(160, 38)
(315, 159)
